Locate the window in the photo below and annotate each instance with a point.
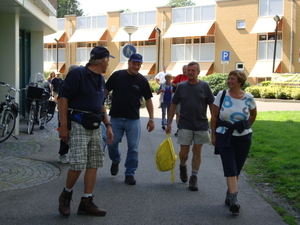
(240, 24)
(239, 66)
(193, 14)
(197, 49)
(266, 43)
(50, 54)
(138, 19)
(91, 22)
(270, 7)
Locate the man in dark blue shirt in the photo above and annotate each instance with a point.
(128, 87)
(82, 94)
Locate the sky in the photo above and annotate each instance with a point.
(96, 7)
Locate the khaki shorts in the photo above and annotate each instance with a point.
(85, 148)
(188, 137)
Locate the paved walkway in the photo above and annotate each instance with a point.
(31, 180)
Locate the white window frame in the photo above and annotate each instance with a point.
(241, 24)
(270, 7)
(239, 66)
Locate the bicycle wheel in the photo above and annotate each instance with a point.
(43, 119)
(49, 117)
(8, 125)
(30, 123)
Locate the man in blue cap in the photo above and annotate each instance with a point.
(128, 87)
(81, 111)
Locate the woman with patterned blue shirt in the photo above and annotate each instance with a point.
(231, 131)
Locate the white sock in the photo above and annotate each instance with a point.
(85, 195)
(68, 190)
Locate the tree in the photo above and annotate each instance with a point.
(68, 7)
(180, 3)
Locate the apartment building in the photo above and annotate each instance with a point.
(23, 25)
(245, 30)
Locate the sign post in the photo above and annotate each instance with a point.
(225, 57)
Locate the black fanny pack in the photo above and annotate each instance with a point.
(89, 121)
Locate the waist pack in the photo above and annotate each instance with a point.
(89, 121)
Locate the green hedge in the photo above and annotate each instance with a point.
(278, 92)
(218, 82)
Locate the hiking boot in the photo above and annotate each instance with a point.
(234, 205)
(64, 202)
(114, 169)
(183, 173)
(227, 200)
(129, 179)
(193, 186)
(63, 159)
(88, 207)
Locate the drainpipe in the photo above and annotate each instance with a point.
(292, 36)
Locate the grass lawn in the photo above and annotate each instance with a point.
(274, 157)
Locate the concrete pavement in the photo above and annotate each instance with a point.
(31, 180)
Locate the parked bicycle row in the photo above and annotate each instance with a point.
(41, 108)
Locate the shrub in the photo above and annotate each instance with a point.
(295, 93)
(153, 85)
(254, 90)
(267, 92)
(218, 82)
(265, 83)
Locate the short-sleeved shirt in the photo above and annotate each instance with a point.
(234, 110)
(161, 77)
(84, 90)
(193, 99)
(180, 78)
(56, 82)
(127, 93)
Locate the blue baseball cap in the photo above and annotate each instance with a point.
(136, 57)
(100, 52)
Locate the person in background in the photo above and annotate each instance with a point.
(128, 87)
(178, 79)
(232, 133)
(55, 84)
(83, 95)
(50, 77)
(166, 91)
(63, 146)
(194, 96)
(160, 79)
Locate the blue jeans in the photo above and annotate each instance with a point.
(132, 128)
(104, 137)
(165, 106)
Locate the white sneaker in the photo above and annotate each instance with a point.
(63, 159)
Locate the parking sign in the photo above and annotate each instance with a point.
(225, 56)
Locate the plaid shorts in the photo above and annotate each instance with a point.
(85, 148)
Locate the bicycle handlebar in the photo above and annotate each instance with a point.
(10, 87)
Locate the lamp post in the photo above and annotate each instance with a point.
(56, 54)
(158, 49)
(276, 19)
(130, 30)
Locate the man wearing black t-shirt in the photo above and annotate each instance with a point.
(55, 84)
(128, 87)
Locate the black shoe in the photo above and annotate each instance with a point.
(88, 207)
(163, 127)
(176, 134)
(114, 169)
(129, 179)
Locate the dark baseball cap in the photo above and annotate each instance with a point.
(136, 57)
(100, 52)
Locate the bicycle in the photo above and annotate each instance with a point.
(41, 109)
(8, 113)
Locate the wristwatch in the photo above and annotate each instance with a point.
(152, 120)
(108, 124)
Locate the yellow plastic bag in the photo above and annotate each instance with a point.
(166, 157)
